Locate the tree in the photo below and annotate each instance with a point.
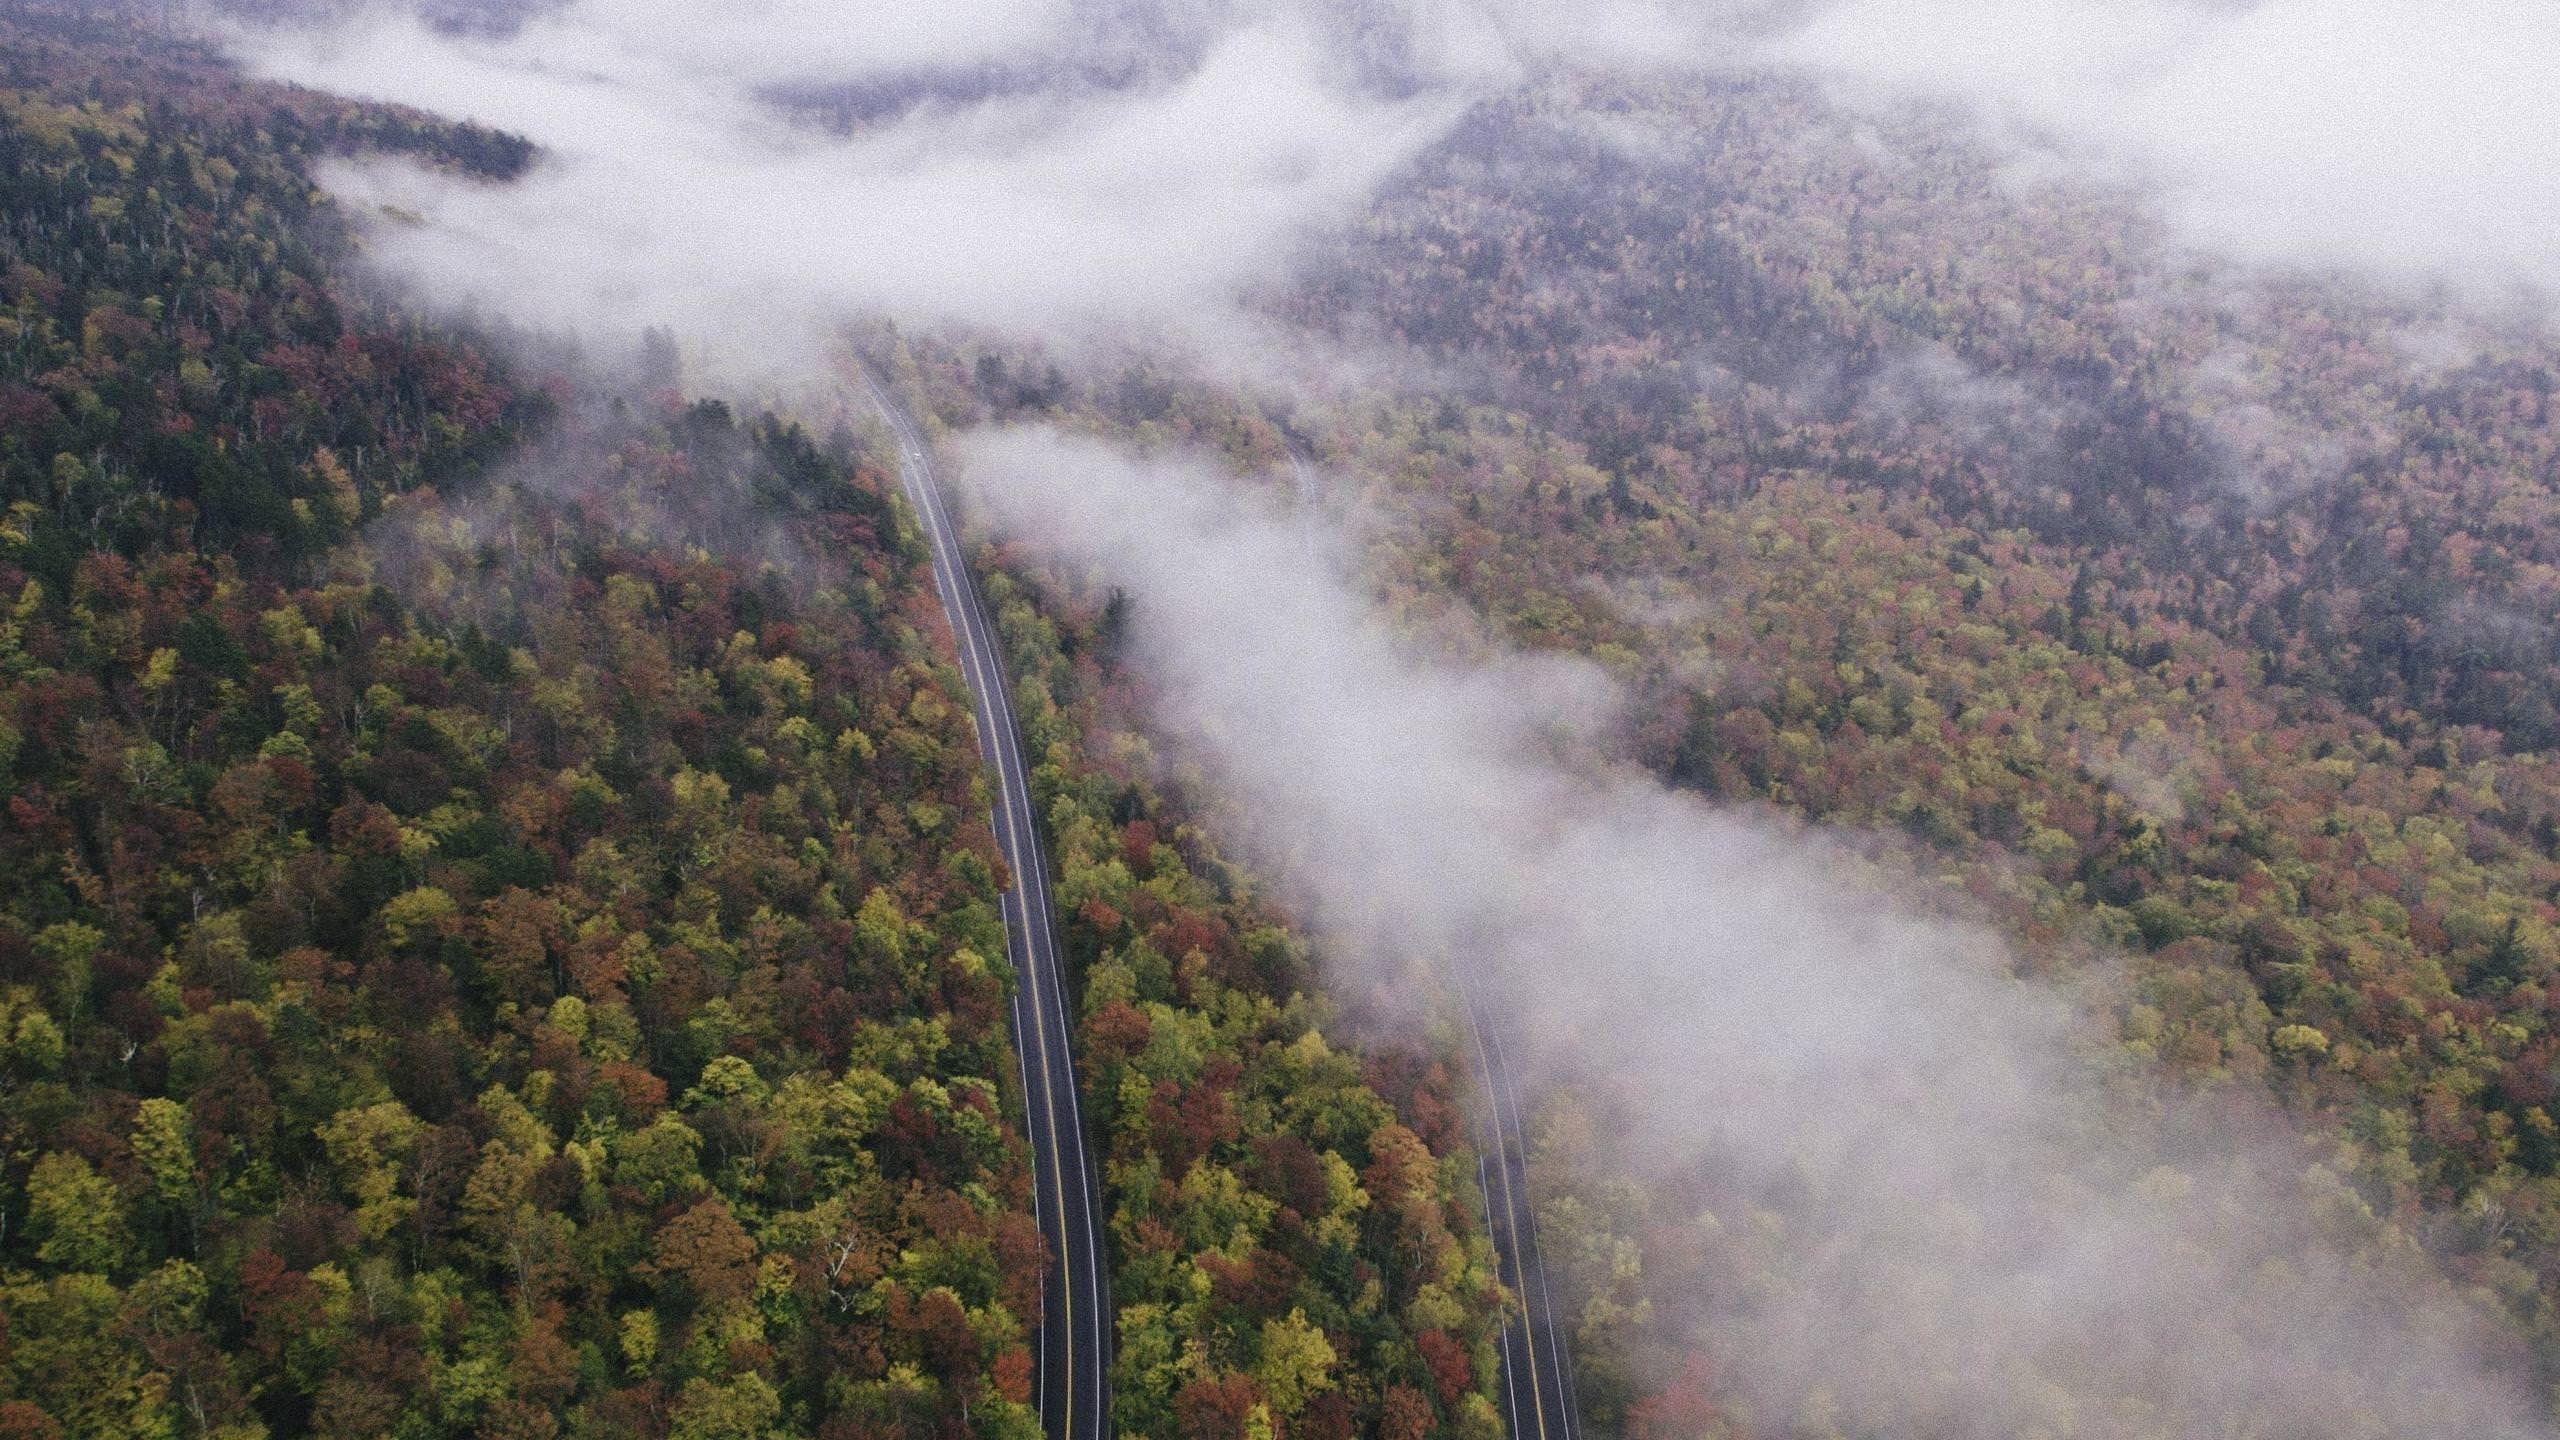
(1216, 1407)
(745, 1408)
(164, 1145)
(707, 1254)
(1297, 1361)
(75, 1215)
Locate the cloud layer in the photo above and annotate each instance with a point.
(1136, 166)
(2409, 140)
(1973, 1247)
(670, 193)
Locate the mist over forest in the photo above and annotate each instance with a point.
(1930, 632)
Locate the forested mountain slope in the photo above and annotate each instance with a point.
(2163, 611)
(1705, 281)
(469, 963)
(499, 930)
(2165, 608)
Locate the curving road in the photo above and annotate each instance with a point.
(1538, 1399)
(1075, 1311)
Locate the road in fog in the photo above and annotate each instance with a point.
(1537, 1373)
(1537, 1393)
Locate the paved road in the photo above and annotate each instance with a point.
(1538, 1399)
(1076, 1316)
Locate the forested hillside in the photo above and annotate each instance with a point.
(474, 960)
(499, 931)
(2161, 612)
(499, 926)
(1703, 283)
(1297, 1225)
(2165, 610)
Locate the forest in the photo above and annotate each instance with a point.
(499, 919)
(1979, 524)
(499, 934)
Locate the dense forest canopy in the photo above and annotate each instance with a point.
(501, 929)
(2176, 616)
(499, 920)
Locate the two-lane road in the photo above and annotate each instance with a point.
(1076, 1316)
(1538, 1397)
(1076, 1321)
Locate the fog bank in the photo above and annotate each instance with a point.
(675, 188)
(752, 175)
(2411, 141)
(1970, 1246)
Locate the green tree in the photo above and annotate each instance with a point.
(75, 1215)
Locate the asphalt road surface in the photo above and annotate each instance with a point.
(1537, 1394)
(1076, 1318)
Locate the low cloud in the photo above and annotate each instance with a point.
(1139, 166)
(2411, 141)
(671, 192)
(1974, 1240)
